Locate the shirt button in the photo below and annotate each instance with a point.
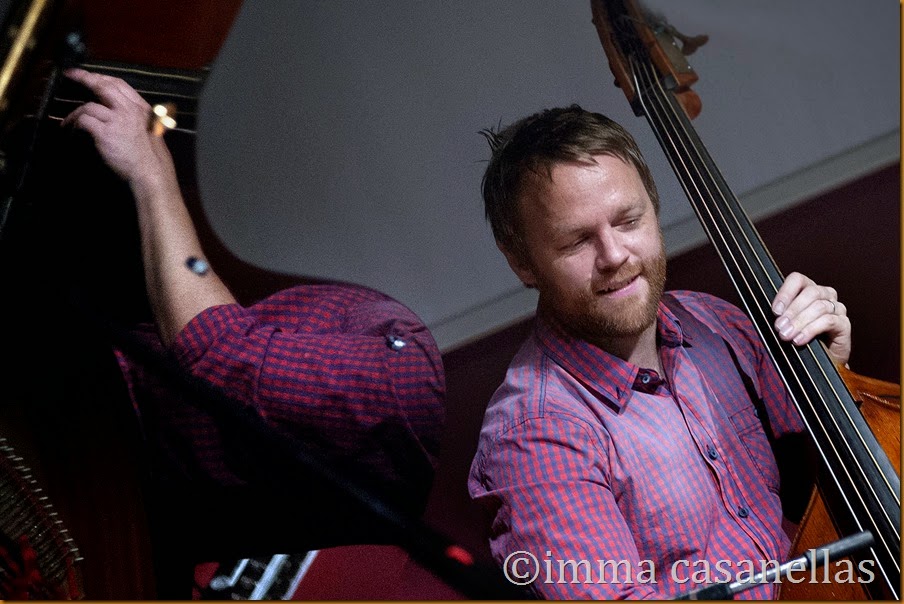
(742, 511)
(395, 343)
(711, 452)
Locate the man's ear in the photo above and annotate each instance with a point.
(520, 266)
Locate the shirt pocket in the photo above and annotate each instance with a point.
(750, 432)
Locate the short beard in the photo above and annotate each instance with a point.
(581, 318)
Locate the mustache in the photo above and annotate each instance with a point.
(620, 278)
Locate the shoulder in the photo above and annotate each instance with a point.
(534, 399)
(338, 295)
(723, 318)
(344, 306)
(533, 430)
(719, 315)
(707, 307)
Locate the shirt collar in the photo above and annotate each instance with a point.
(603, 373)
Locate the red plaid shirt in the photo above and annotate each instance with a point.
(350, 373)
(621, 483)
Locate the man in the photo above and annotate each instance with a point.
(352, 375)
(623, 452)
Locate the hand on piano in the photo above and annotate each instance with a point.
(121, 124)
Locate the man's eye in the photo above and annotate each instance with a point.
(574, 244)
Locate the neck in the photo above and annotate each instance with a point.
(638, 349)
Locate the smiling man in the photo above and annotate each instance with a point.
(631, 428)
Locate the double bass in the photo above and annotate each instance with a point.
(853, 421)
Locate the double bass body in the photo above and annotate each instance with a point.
(880, 404)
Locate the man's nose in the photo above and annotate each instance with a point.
(611, 251)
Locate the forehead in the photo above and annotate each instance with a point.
(569, 188)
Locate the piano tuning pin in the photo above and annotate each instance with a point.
(75, 49)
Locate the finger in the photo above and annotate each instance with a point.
(835, 329)
(75, 73)
(95, 110)
(113, 92)
(813, 299)
(799, 292)
(801, 320)
(793, 284)
(809, 304)
(840, 309)
(89, 124)
(809, 330)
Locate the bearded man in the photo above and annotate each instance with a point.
(626, 448)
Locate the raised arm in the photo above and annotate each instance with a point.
(119, 124)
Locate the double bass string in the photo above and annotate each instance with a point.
(747, 270)
(721, 233)
(764, 294)
(651, 83)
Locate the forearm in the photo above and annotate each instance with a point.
(118, 123)
(168, 240)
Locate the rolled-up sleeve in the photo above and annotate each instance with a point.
(347, 372)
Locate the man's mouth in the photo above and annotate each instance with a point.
(617, 286)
